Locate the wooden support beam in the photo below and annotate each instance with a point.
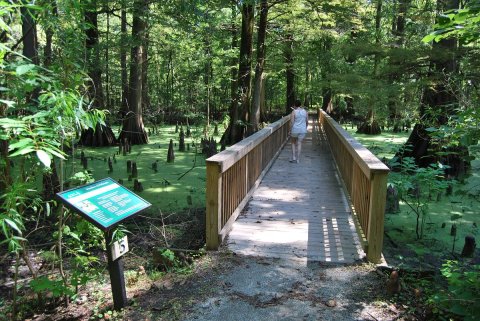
(378, 195)
(214, 201)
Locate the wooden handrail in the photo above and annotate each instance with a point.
(365, 179)
(233, 175)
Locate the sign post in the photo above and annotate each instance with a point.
(106, 203)
(117, 279)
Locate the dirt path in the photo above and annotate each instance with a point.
(231, 287)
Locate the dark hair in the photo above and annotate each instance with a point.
(298, 103)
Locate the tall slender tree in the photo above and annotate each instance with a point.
(258, 97)
(289, 72)
(102, 135)
(123, 59)
(133, 128)
(370, 125)
(95, 87)
(239, 113)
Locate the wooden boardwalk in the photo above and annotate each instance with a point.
(299, 211)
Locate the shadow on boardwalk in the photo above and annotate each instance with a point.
(299, 211)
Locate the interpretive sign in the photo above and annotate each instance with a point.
(104, 203)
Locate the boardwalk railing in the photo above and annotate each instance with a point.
(365, 179)
(233, 175)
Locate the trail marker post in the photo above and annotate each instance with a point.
(105, 203)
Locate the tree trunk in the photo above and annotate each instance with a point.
(225, 140)
(208, 72)
(29, 34)
(438, 103)
(145, 96)
(370, 126)
(123, 60)
(398, 31)
(95, 88)
(49, 31)
(133, 129)
(5, 172)
(108, 103)
(290, 74)
(240, 111)
(327, 105)
(259, 75)
(101, 135)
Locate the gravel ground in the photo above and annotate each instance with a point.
(231, 287)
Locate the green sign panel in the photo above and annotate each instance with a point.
(105, 203)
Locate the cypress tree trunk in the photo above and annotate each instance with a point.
(95, 88)
(133, 129)
(49, 31)
(225, 140)
(290, 74)
(102, 135)
(438, 103)
(123, 60)
(240, 110)
(259, 76)
(29, 34)
(398, 31)
(370, 125)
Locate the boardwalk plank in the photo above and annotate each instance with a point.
(299, 211)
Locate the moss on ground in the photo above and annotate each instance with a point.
(437, 242)
(174, 187)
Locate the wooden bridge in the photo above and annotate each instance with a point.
(328, 208)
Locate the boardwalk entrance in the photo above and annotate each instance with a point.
(299, 211)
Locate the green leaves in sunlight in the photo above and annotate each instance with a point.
(461, 24)
(461, 297)
(44, 157)
(23, 69)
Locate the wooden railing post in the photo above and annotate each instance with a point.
(214, 205)
(378, 194)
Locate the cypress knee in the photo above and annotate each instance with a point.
(134, 170)
(469, 247)
(170, 154)
(181, 144)
(137, 186)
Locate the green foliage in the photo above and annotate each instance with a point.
(58, 115)
(173, 263)
(17, 199)
(417, 186)
(461, 297)
(106, 315)
(460, 23)
(55, 286)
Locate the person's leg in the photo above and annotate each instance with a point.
(299, 147)
(294, 143)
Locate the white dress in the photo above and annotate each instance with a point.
(300, 121)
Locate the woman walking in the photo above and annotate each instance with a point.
(298, 125)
